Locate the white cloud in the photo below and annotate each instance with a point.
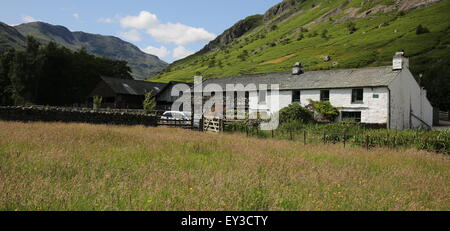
(144, 20)
(76, 16)
(180, 34)
(181, 52)
(27, 19)
(161, 52)
(177, 33)
(105, 20)
(132, 35)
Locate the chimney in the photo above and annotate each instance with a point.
(297, 69)
(400, 62)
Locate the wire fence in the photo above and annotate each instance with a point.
(348, 139)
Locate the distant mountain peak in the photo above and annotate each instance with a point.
(142, 64)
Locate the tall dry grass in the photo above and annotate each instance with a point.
(56, 166)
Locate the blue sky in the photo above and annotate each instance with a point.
(171, 29)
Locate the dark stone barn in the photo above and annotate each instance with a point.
(124, 93)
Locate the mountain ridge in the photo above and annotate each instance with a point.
(142, 65)
(10, 37)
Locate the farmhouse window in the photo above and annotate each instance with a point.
(357, 95)
(247, 100)
(262, 97)
(296, 96)
(351, 116)
(325, 95)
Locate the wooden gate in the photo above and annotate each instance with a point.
(212, 124)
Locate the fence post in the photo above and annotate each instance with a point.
(324, 138)
(345, 138)
(272, 133)
(246, 130)
(202, 121)
(387, 140)
(192, 117)
(394, 145)
(367, 142)
(290, 133)
(304, 137)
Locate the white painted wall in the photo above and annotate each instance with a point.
(373, 110)
(274, 102)
(404, 93)
(166, 95)
(408, 101)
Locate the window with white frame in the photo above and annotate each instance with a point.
(296, 96)
(325, 95)
(351, 116)
(358, 95)
(262, 97)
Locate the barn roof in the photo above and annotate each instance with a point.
(133, 87)
(328, 79)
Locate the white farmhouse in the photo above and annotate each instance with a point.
(385, 96)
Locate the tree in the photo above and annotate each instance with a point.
(149, 102)
(324, 110)
(421, 29)
(53, 75)
(295, 112)
(32, 45)
(436, 80)
(24, 73)
(351, 27)
(5, 82)
(97, 101)
(324, 34)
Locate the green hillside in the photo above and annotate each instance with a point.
(353, 33)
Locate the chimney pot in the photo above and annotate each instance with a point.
(399, 61)
(297, 69)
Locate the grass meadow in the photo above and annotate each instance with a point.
(57, 166)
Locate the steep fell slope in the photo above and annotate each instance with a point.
(324, 34)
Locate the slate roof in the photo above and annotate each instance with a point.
(133, 87)
(328, 79)
(178, 82)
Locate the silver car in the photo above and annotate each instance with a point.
(172, 117)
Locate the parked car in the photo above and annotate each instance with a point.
(171, 117)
